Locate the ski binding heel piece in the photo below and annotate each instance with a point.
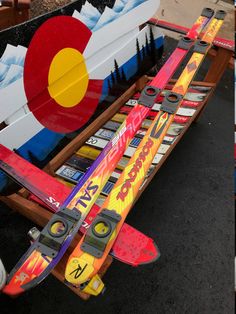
(208, 12)
(171, 102)
(185, 43)
(201, 46)
(148, 96)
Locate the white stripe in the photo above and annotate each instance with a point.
(16, 134)
(12, 98)
(14, 55)
(17, 115)
(100, 143)
(14, 73)
(169, 139)
(115, 175)
(157, 159)
(175, 129)
(195, 96)
(99, 63)
(186, 112)
(163, 149)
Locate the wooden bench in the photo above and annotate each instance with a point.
(220, 59)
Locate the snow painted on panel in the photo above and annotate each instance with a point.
(14, 55)
(119, 5)
(89, 10)
(108, 16)
(90, 23)
(14, 73)
(11, 65)
(3, 70)
(7, 96)
(94, 20)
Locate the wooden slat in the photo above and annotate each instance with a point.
(218, 66)
(12, 16)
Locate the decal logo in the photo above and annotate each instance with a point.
(159, 126)
(22, 277)
(88, 193)
(52, 201)
(135, 170)
(78, 271)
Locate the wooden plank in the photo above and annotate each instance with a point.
(213, 53)
(7, 17)
(10, 16)
(218, 66)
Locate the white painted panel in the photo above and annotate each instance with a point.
(16, 134)
(119, 27)
(12, 98)
(14, 73)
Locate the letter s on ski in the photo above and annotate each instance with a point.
(52, 201)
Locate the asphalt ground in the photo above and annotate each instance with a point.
(188, 209)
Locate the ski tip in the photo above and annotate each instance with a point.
(3, 275)
(155, 254)
(208, 12)
(220, 15)
(12, 290)
(146, 253)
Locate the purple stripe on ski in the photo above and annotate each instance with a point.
(88, 173)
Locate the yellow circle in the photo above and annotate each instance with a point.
(58, 227)
(68, 77)
(101, 228)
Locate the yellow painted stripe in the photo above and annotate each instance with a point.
(212, 30)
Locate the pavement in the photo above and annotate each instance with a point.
(188, 209)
